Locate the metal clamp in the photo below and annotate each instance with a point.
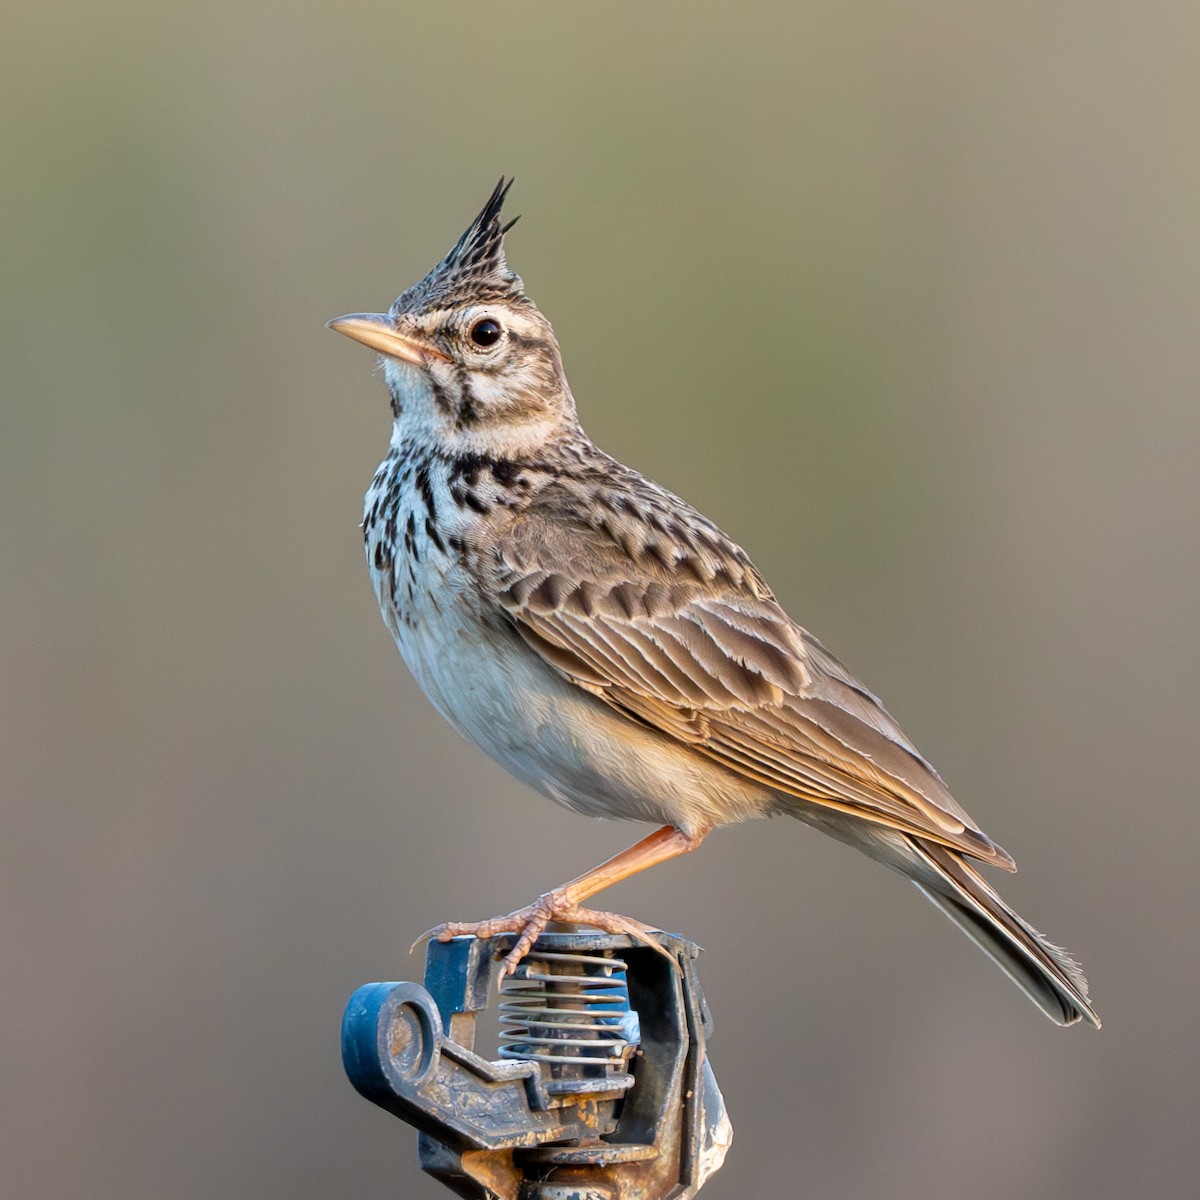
(601, 1089)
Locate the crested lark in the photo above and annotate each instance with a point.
(612, 647)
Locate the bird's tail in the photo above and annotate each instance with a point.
(1048, 975)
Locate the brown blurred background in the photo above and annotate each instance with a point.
(905, 296)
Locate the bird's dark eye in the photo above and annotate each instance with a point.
(486, 332)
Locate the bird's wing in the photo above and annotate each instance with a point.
(709, 658)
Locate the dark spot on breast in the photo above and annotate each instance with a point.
(468, 468)
(387, 539)
(436, 538)
(504, 472)
(426, 490)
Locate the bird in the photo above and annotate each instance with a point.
(611, 647)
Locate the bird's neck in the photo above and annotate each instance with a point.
(547, 437)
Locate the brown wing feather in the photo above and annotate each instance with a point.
(719, 666)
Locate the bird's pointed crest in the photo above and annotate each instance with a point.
(475, 270)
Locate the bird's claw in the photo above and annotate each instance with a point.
(529, 922)
(478, 929)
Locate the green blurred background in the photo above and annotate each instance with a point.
(904, 295)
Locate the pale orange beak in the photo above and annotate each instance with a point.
(378, 331)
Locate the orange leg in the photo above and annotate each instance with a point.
(563, 903)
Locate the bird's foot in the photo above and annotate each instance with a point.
(529, 922)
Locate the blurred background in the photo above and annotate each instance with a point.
(904, 296)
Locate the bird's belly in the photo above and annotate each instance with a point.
(552, 735)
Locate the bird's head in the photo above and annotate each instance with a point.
(471, 363)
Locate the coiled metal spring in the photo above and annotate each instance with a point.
(570, 1011)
